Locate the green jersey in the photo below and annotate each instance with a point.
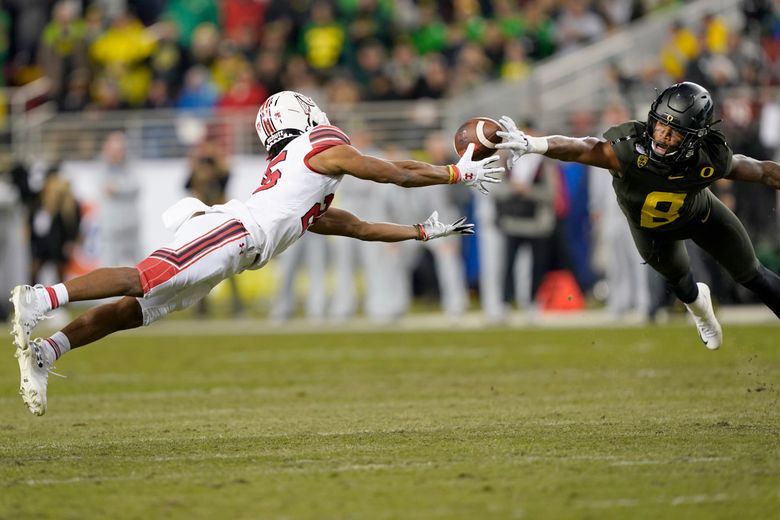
(660, 197)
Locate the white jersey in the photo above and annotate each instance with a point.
(291, 195)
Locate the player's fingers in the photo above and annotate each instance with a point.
(460, 221)
(512, 145)
(507, 122)
(468, 153)
(488, 160)
(498, 169)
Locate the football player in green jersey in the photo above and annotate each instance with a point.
(660, 171)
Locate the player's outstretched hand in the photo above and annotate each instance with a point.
(476, 173)
(432, 228)
(513, 138)
(517, 141)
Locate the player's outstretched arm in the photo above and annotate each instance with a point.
(585, 150)
(744, 168)
(347, 160)
(343, 223)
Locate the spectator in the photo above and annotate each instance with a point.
(168, 61)
(120, 220)
(434, 81)
(680, 47)
(13, 253)
(514, 65)
(404, 70)
(54, 226)
(369, 72)
(268, 70)
(244, 91)
(431, 32)
(577, 25)
(188, 15)
(716, 33)
(199, 91)
(525, 214)
(367, 20)
(472, 69)
(539, 34)
(382, 294)
(310, 257)
(322, 39)
(447, 260)
(626, 274)
(121, 55)
(63, 48)
(28, 18)
(241, 18)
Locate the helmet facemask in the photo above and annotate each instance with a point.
(679, 152)
(686, 108)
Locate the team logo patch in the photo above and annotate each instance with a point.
(641, 161)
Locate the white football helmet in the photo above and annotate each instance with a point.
(287, 114)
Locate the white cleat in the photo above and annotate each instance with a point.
(35, 363)
(29, 309)
(704, 317)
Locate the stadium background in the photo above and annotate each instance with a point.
(174, 75)
(425, 417)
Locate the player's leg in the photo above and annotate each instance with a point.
(206, 250)
(670, 259)
(37, 360)
(103, 320)
(724, 237)
(31, 304)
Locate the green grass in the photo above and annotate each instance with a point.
(609, 423)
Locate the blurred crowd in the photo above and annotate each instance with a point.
(112, 54)
(552, 228)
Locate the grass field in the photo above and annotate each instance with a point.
(581, 423)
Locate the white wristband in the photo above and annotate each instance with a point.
(537, 144)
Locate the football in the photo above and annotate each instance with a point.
(482, 132)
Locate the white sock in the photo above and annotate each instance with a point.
(59, 344)
(55, 295)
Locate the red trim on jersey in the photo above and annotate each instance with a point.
(322, 138)
(164, 263)
(325, 132)
(55, 302)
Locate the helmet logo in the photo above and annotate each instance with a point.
(641, 161)
(669, 118)
(306, 104)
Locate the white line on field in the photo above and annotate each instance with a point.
(700, 499)
(295, 466)
(615, 503)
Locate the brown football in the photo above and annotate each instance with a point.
(482, 132)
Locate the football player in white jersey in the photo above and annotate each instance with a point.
(307, 159)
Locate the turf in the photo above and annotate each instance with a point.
(588, 423)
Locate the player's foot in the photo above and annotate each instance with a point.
(29, 309)
(35, 363)
(704, 317)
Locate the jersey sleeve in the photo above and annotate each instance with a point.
(326, 136)
(623, 140)
(717, 153)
